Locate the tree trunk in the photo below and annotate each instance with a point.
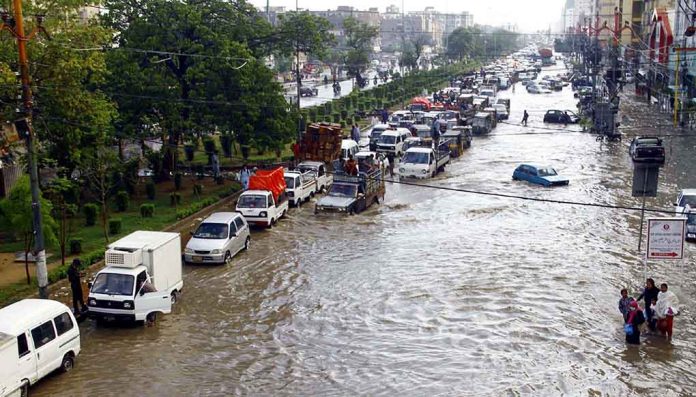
(63, 234)
(104, 215)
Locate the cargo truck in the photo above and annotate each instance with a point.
(142, 278)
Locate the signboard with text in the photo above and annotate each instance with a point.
(666, 238)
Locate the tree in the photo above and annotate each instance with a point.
(304, 32)
(205, 75)
(358, 41)
(408, 58)
(97, 170)
(17, 216)
(460, 43)
(70, 110)
(61, 193)
(418, 43)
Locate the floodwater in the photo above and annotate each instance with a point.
(434, 292)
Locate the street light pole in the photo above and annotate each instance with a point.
(298, 76)
(24, 126)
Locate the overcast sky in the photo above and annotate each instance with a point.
(529, 15)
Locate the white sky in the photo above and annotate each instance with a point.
(529, 15)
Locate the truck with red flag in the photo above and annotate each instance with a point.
(266, 201)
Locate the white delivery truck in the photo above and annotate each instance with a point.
(142, 277)
(301, 186)
(266, 200)
(37, 336)
(423, 162)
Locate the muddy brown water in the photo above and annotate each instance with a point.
(432, 293)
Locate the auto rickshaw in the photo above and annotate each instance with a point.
(481, 123)
(458, 139)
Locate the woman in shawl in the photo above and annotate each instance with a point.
(665, 310)
(635, 319)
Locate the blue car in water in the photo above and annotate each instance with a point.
(541, 175)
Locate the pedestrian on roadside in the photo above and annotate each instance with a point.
(525, 117)
(624, 303)
(244, 175)
(74, 276)
(390, 159)
(665, 310)
(513, 88)
(355, 133)
(632, 326)
(385, 116)
(649, 293)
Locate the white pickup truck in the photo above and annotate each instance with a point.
(301, 186)
(260, 208)
(323, 178)
(423, 162)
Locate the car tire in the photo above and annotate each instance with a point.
(151, 318)
(228, 258)
(350, 211)
(298, 203)
(247, 243)
(174, 297)
(68, 363)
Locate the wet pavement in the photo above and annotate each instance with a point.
(326, 94)
(434, 292)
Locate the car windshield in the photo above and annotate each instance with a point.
(648, 141)
(113, 284)
(479, 122)
(688, 200)
(546, 172)
(416, 158)
(211, 231)
(252, 201)
(341, 190)
(387, 139)
(308, 168)
(290, 182)
(691, 219)
(375, 134)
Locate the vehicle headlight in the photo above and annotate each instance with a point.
(188, 250)
(402, 170)
(92, 302)
(424, 171)
(215, 252)
(128, 305)
(263, 214)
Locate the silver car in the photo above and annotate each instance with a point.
(218, 239)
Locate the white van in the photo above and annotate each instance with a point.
(392, 141)
(348, 148)
(37, 336)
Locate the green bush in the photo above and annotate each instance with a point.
(75, 246)
(328, 108)
(174, 199)
(349, 121)
(344, 114)
(90, 214)
(336, 117)
(177, 181)
(150, 190)
(122, 201)
(312, 113)
(195, 207)
(115, 226)
(147, 210)
(327, 119)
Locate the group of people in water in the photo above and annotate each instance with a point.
(660, 307)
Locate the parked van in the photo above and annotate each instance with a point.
(392, 141)
(348, 148)
(37, 336)
(218, 239)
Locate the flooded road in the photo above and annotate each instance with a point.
(434, 292)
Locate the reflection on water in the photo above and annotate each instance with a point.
(433, 293)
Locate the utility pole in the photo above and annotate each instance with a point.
(298, 76)
(24, 127)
